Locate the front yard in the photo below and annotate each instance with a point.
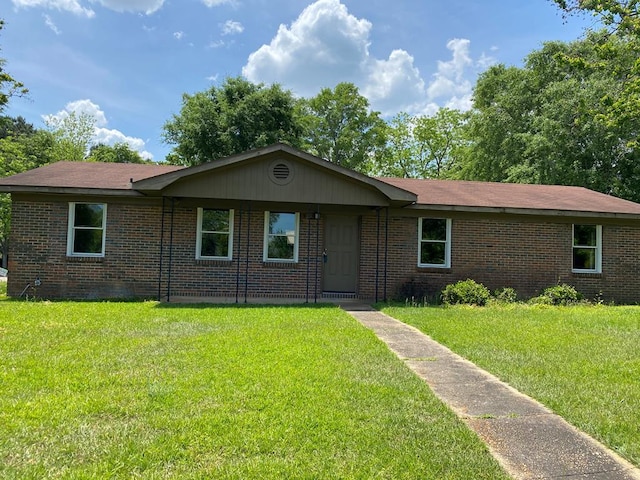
(142, 390)
(583, 362)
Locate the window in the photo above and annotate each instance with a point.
(434, 242)
(587, 246)
(215, 234)
(281, 236)
(86, 234)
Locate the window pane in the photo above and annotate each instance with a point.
(584, 235)
(432, 253)
(88, 215)
(584, 258)
(215, 245)
(87, 241)
(280, 248)
(434, 229)
(215, 220)
(282, 223)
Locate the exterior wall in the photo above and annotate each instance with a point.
(38, 250)
(528, 256)
(246, 276)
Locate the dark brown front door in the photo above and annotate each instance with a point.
(341, 247)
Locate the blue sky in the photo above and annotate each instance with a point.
(128, 62)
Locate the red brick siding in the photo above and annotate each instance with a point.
(527, 256)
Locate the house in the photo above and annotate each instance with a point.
(278, 224)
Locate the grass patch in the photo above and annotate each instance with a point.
(583, 362)
(122, 390)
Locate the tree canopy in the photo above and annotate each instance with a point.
(235, 117)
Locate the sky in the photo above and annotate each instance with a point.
(129, 62)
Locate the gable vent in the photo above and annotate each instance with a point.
(281, 172)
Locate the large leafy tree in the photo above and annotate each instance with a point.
(423, 146)
(73, 132)
(9, 86)
(341, 128)
(235, 117)
(118, 153)
(546, 122)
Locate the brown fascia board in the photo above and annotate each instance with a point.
(69, 191)
(525, 211)
(155, 185)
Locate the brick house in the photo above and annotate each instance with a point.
(280, 224)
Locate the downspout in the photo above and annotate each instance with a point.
(238, 255)
(386, 251)
(161, 252)
(246, 267)
(173, 203)
(377, 251)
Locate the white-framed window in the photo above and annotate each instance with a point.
(214, 234)
(434, 242)
(587, 248)
(281, 236)
(87, 229)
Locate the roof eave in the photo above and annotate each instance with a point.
(69, 191)
(526, 211)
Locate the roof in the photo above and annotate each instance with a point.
(92, 177)
(122, 179)
(492, 196)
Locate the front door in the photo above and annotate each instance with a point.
(341, 240)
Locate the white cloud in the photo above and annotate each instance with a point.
(217, 3)
(49, 23)
(146, 6)
(327, 45)
(75, 6)
(178, 35)
(232, 28)
(102, 134)
(72, 6)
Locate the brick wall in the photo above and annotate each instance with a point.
(527, 256)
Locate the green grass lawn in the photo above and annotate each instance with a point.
(141, 390)
(582, 362)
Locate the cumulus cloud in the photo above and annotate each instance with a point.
(101, 134)
(217, 3)
(327, 45)
(72, 6)
(178, 35)
(232, 28)
(146, 6)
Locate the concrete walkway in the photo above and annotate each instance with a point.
(528, 440)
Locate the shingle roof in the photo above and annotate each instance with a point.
(490, 195)
(87, 175)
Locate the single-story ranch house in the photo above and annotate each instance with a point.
(280, 224)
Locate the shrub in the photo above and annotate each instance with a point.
(506, 295)
(468, 292)
(559, 295)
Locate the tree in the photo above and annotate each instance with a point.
(9, 87)
(341, 128)
(118, 153)
(235, 117)
(73, 132)
(543, 123)
(423, 146)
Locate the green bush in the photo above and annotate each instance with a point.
(558, 295)
(506, 295)
(468, 292)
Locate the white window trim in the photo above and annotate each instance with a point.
(199, 232)
(265, 250)
(597, 248)
(447, 242)
(71, 230)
